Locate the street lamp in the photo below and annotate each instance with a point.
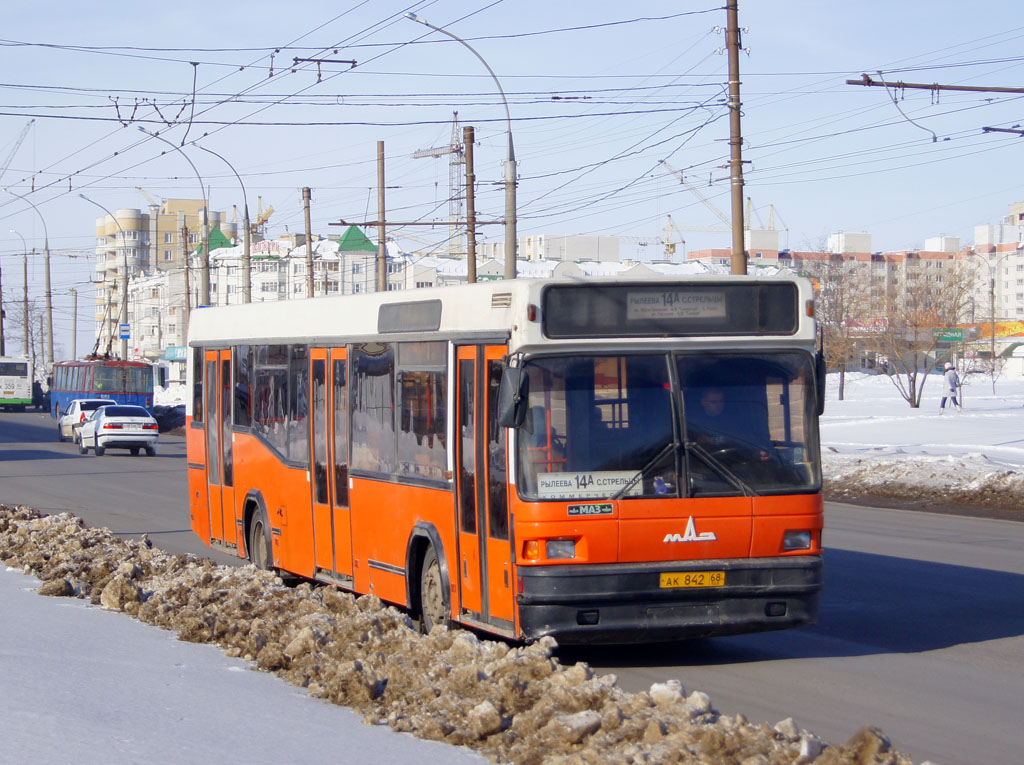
(204, 262)
(124, 280)
(49, 300)
(246, 250)
(510, 161)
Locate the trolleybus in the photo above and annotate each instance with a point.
(126, 382)
(600, 461)
(15, 383)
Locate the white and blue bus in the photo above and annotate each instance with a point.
(15, 383)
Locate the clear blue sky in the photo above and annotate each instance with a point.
(599, 95)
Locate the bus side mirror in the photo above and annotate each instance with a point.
(819, 379)
(512, 393)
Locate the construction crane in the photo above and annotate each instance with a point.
(17, 145)
(726, 221)
(457, 152)
(670, 240)
(259, 226)
(152, 202)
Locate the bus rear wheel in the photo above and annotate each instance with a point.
(433, 603)
(259, 544)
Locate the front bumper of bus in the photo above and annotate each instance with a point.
(625, 603)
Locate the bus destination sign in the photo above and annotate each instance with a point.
(675, 304)
(595, 483)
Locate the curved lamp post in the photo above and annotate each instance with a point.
(204, 262)
(510, 161)
(124, 280)
(49, 298)
(247, 248)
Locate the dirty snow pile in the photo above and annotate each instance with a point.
(875, 445)
(512, 704)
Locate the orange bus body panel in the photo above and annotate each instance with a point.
(774, 516)
(286, 491)
(198, 504)
(383, 516)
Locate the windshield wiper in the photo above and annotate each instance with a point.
(720, 468)
(671, 446)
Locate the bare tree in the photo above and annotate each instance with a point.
(909, 314)
(839, 302)
(15, 326)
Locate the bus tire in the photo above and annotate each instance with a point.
(434, 608)
(260, 554)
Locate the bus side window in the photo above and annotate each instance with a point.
(197, 384)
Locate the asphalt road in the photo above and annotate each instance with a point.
(921, 630)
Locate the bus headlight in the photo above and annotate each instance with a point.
(796, 540)
(560, 548)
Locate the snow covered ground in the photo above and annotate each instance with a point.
(82, 681)
(84, 684)
(873, 442)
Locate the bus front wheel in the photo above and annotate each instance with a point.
(433, 603)
(259, 543)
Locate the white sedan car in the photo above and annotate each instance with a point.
(78, 411)
(119, 427)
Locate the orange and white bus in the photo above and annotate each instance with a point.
(596, 460)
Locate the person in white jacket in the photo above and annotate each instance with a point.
(952, 382)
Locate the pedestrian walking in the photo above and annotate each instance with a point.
(952, 385)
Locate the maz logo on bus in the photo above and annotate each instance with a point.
(691, 535)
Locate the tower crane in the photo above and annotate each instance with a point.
(17, 145)
(726, 221)
(152, 202)
(457, 152)
(259, 226)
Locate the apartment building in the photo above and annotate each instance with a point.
(145, 243)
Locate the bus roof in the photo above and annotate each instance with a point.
(491, 309)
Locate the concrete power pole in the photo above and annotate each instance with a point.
(382, 251)
(739, 256)
(25, 301)
(3, 343)
(74, 322)
(307, 196)
(467, 142)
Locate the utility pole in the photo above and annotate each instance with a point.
(739, 257)
(3, 345)
(307, 196)
(74, 322)
(188, 286)
(382, 252)
(24, 307)
(467, 142)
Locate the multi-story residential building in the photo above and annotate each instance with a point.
(146, 243)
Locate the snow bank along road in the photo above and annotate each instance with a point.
(510, 704)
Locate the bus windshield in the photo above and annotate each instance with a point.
(682, 425)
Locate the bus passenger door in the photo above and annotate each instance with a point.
(467, 493)
(501, 593)
(485, 575)
(329, 458)
(214, 426)
(227, 456)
